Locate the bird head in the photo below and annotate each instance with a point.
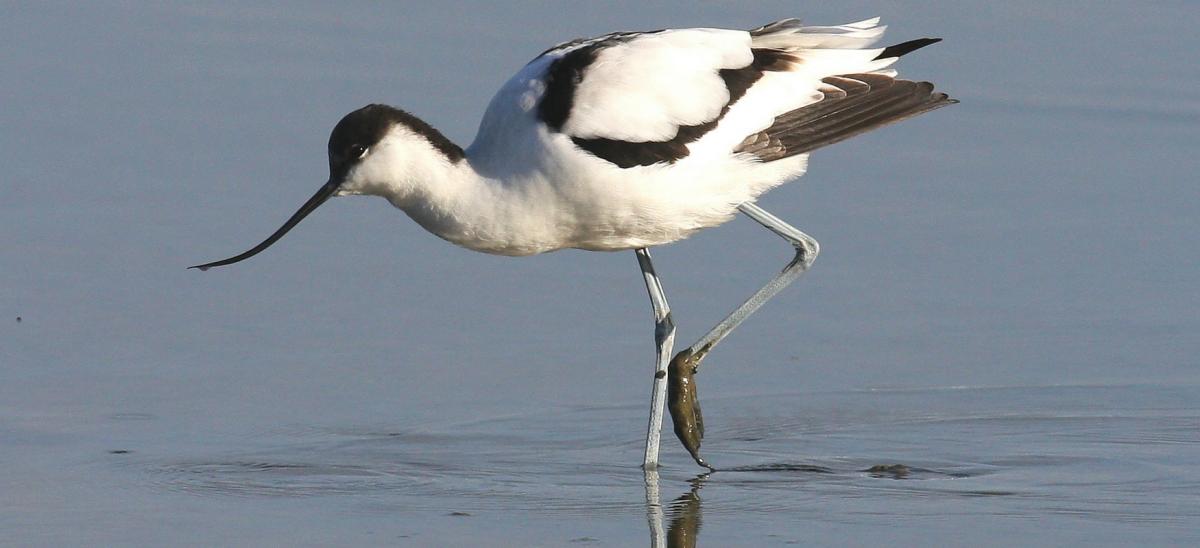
(365, 149)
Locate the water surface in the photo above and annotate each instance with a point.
(1004, 305)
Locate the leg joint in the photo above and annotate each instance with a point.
(807, 249)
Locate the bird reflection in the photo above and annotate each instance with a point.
(685, 517)
(685, 522)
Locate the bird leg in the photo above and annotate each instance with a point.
(664, 340)
(684, 404)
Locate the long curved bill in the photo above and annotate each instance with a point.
(317, 199)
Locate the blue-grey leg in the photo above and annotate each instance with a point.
(806, 252)
(683, 401)
(664, 340)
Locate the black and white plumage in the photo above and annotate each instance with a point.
(656, 135)
(632, 140)
(653, 127)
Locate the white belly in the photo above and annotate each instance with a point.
(616, 209)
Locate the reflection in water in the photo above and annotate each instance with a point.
(654, 512)
(685, 514)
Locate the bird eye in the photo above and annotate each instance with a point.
(357, 151)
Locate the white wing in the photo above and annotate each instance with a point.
(637, 99)
(645, 87)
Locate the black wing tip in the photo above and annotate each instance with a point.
(906, 47)
(200, 267)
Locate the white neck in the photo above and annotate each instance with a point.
(451, 199)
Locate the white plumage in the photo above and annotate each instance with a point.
(525, 189)
(633, 90)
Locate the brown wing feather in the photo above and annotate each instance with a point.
(853, 104)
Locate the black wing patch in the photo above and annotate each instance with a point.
(853, 104)
(561, 79)
(566, 73)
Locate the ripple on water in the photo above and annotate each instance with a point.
(254, 478)
(556, 462)
(1038, 456)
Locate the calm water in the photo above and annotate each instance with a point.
(1005, 303)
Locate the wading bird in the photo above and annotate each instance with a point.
(632, 140)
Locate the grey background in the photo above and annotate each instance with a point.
(1040, 235)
